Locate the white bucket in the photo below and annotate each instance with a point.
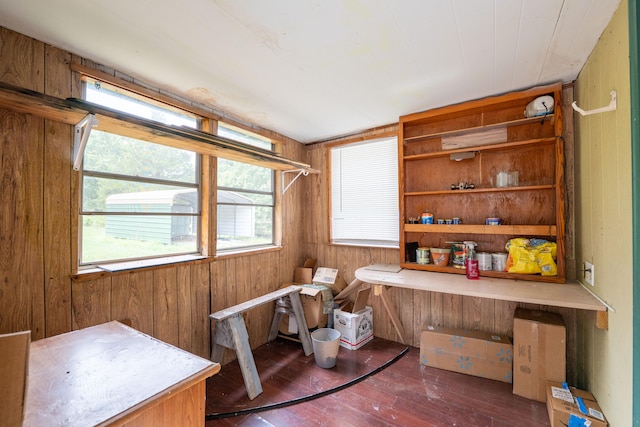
(326, 344)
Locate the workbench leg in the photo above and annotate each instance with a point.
(382, 292)
(303, 331)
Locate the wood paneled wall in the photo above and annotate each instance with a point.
(171, 303)
(38, 189)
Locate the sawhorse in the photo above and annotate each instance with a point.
(231, 333)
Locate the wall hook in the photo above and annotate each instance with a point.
(611, 107)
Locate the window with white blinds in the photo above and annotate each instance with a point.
(364, 193)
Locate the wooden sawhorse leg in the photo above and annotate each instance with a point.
(232, 333)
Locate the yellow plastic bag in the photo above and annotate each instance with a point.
(531, 256)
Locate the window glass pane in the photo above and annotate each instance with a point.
(364, 193)
(241, 226)
(120, 237)
(246, 197)
(139, 199)
(240, 135)
(232, 174)
(108, 96)
(110, 153)
(117, 195)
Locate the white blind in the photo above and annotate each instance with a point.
(364, 193)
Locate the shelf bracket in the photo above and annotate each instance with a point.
(300, 172)
(613, 105)
(82, 131)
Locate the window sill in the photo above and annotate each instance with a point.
(366, 245)
(104, 270)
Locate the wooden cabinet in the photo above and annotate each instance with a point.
(492, 135)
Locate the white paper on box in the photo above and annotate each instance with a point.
(325, 275)
(562, 394)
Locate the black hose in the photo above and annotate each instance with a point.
(269, 407)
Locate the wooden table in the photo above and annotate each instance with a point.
(381, 276)
(111, 374)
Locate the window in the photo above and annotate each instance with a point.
(364, 193)
(139, 200)
(246, 198)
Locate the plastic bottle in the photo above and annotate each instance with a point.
(471, 263)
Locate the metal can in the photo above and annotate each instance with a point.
(422, 256)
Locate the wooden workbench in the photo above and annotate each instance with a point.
(114, 375)
(382, 276)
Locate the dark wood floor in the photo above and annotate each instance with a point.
(403, 394)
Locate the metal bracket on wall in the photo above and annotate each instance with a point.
(81, 136)
(300, 172)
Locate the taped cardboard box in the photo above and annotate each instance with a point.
(354, 321)
(539, 344)
(313, 298)
(566, 402)
(474, 353)
(329, 277)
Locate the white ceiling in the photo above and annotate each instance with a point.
(312, 70)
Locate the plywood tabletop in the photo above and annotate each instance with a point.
(105, 373)
(570, 295)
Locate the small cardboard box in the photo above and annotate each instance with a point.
(469, 352)
(355, 322)
(312, 299)
(305, 273)
(563, 403)
(329, 277)
(539, 344)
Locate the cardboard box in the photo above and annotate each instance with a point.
(355, 322)
(469, 352)
(312, 298)
(305, 273)
(329, 277)
(561, 405)
(539, 344)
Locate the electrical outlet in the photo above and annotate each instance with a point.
(588, 273)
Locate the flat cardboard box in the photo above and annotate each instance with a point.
(539, 343)
(331, 278)
(561, 404)
(476, 353)
(355, 322)
(312, 299)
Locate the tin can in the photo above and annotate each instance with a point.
(457, 220)
(426, 218)
(422, 256)
(493, 221)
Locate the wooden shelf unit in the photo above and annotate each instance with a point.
(501, 139)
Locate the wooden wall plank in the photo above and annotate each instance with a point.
(185, 327)
(23, 60)
(166, 325)
(21, 252)
(58, 150)
(91, 302)
(132, 299)
(200, 310)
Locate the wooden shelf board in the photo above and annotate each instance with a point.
(457, 132)
(480, 190)
(530, 291)
(511, 230)
(490, 147)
